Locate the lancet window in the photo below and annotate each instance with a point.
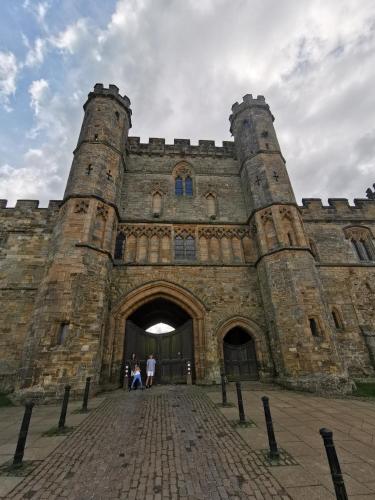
(184, 248)
(361, 240)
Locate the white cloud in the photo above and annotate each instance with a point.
(39, 176)
(183, 64)
(72, 37)
(35, 55)
(37, 91)
(8, 76)
(39, 10)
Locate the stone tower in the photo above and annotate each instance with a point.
(304, 351)
(206, 238)
(71, 308)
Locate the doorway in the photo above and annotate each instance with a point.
(239, 355)
(162, 328)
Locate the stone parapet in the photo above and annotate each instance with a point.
(112, 92)
(248, 101)
(313, 208)
(31, 205)
(157, 146)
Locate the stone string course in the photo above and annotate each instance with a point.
(295, 264)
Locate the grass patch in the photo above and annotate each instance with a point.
(5, 400)
(365, 389)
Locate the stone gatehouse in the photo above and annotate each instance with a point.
(207, 239)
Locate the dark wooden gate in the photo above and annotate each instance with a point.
(240, 361)
(171, 350)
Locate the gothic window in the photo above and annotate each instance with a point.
(179, 189)
(288, 227)
(360, 238)
(188, 186)
(62, 333)
(314, 327)
(190, 248)
(211, 205)
(179, 251)
(157, 204)
(358, 249)
(184, 248)
(337, 319)
(119, 246)
(183, 179)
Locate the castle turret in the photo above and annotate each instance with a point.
(305, 355)
(262, 165)
(66, 334)
(98, 158)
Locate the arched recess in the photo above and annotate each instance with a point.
(254, 331)
(140, 296)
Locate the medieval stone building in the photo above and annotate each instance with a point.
(208, 239)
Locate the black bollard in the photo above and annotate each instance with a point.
(20, 449)
(240, 403)
(86, 394)
(338, 481)
(274, 452)
(223, 390)
(64, 407)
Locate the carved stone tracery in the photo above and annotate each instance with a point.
(81, 207)
(357, 233)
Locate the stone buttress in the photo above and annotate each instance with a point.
(65, 339)
(303, 350)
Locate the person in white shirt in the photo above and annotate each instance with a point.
(150, 369)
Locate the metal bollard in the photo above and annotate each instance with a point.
(240, 403)
(64, 407)
(338, 481)
(20, 449)
(274, 452)
(86, 394)
(126, 383)
(189, 380)
(224, 390)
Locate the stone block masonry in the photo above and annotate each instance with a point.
(212, 229)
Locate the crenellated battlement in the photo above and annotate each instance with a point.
(113, 92)
(338, 208)
(31, 205)
(248, 101)
(158, 146)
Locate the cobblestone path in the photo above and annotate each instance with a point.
(167, 442)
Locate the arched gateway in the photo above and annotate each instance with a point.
(149, 304)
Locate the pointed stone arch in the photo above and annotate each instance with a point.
(255, 332)
(140, 296)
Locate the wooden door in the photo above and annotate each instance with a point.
(240, 361)
(171, 350)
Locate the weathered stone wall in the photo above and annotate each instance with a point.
(225, 292)
(350, 292)
(25, 233)
(348, 282)
(260, 261)
(146, 173)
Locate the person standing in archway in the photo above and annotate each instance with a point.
(150, 368)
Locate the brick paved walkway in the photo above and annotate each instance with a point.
(169, 442)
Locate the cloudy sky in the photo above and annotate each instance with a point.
(183, 63)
